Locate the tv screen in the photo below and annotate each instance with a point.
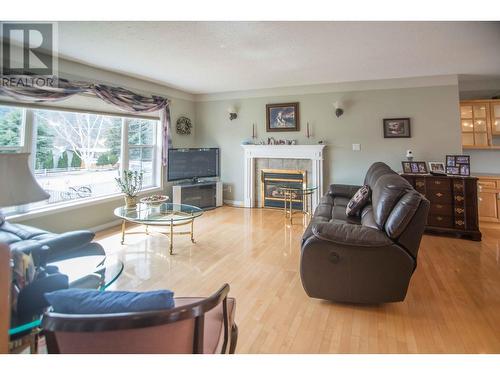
(185, 163)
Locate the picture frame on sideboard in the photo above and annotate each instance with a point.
(414, 167)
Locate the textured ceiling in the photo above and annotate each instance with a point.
(210, 57)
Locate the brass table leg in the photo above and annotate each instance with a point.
(171, 236)
(192, 229)
(291, 208)
(123, 231)
(147, 232)
(284, 203)
(310, 207)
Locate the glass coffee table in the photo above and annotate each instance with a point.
(86, 272)
(170, 215)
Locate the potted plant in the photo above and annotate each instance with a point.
(130, 183)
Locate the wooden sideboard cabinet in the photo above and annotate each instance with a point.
(489, 199)
(454, 203)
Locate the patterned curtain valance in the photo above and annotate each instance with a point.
(124, 99)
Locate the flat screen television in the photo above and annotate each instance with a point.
(188, 163)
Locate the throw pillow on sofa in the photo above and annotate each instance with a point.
(358, 201)
(88, 301)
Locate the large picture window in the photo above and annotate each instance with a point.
(76, 156)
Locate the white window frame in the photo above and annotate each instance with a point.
(154, 146)
(28, 144)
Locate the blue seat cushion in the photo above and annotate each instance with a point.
(87, 301)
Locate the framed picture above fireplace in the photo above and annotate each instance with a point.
(282, 117)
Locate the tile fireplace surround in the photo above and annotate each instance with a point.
(314, 153)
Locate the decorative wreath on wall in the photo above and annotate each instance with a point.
(184, 126)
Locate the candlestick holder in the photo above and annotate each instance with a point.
(254, 132)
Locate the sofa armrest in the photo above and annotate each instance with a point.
(340, 190)
(351, 234)
(69, 240)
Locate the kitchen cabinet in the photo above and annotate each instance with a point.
(480, 124)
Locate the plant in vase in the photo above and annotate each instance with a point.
(130, 183)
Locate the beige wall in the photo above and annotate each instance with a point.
(484, 161)
(434, 126)
(433, 112)
(76, 218)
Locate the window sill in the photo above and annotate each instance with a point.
(71, 206)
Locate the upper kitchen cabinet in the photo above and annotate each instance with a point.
(480, 124)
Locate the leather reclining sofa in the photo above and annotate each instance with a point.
(368, 258)
(49, 246)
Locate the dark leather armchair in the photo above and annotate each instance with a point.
(46, 246)
(368, 258)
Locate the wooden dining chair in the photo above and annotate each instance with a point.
(196, 325)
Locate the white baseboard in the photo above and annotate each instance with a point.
(102, 227)
(234, 203)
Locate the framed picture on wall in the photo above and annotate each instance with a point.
(397, 128)
(282, 117)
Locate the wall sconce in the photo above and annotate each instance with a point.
(233, 114)
(338, 105)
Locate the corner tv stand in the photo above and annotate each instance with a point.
(206, 194)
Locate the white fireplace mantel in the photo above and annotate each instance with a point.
(310, 152)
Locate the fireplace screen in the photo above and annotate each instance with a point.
(272, 182)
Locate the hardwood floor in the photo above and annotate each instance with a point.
(452, 306)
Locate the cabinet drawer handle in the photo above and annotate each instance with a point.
(439, 195)
(439, 218)
(437, 182)
(459, 210)
(439, 206)
(420, 184)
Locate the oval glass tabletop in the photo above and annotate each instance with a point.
(164, 213)
(87, 272)
(299, 190)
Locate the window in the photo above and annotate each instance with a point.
(77, 156)
(141, 140)
(11, 128)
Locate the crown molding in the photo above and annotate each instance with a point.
(383, 84)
